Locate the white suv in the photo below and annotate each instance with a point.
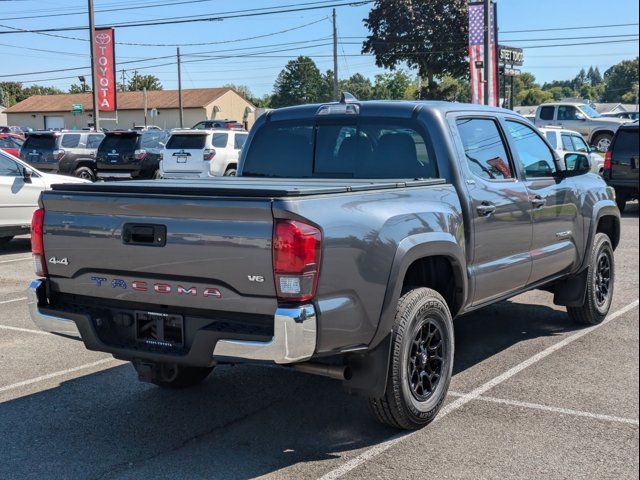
(202, 153)
(567, 141)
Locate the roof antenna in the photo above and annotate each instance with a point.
(347, 98)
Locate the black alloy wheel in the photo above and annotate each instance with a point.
(425, 360)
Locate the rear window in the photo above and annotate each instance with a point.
(626, 142)
(93, 141)
(239, 141)
(546, 113)
(366, 149)
(10, 142)
(70, 140)
(119, 143)
(40, 142)
(186, 142)
(153, 139)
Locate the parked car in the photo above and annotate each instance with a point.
(20, 188)
(142, 128)
(202, 153)
(214, 124)
(567, 141)
(354, 234)
(624, 115)
(621, 164)
(582, 118)
(11, 143)
(130, 154)
(68, 152)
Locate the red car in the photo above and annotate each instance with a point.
(11, 143)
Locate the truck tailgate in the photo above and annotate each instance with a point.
(215, 254)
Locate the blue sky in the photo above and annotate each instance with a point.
(313, 40)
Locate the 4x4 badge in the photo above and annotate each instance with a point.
(59, 261)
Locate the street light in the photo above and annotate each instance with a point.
(83, 81)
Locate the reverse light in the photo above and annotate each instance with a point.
(58, 154)
(296, 260)
(37, 242)
(209, 153)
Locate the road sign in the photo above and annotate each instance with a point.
(510, 72)
(510, 55)
(77, 108)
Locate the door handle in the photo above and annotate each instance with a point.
(538, 201)
(485, 209)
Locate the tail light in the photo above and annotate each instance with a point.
(296, 260)
(140, 154)
(37, 242)
(58, 154)
(209, 153)
(607, 160)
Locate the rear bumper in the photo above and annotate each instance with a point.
(294, 338)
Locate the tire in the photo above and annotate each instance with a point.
(5, 240)
(407, 404)
(230, 172)
(602, 141)
(177, 376)
(597, 304)
(621, 201)
(86, 173)
(156, 175)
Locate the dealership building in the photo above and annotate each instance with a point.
(75, 110)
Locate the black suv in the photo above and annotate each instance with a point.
(621, 164)
(67, 152)
(130, 154)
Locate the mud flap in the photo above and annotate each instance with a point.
(572, 291)
(369, 371)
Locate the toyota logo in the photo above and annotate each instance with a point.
(103, 38)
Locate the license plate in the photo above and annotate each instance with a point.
(160, 329)
(182, 159)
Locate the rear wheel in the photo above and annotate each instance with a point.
(602, 141)
(85, 173)
(178, 376)
(421, 362)
(5, 240)
(599, 286)
(230, 172)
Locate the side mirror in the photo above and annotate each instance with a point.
(581, 117)
(26, 175)
(576, 164)
(593, 149)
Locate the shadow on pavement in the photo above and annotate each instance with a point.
(243, 422)
(17, 245)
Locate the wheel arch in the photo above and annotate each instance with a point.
(600, 131)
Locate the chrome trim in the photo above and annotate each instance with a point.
(294, 339)
(45, 322)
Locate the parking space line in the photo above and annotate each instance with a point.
(24, 330)
(55, 374)
(4, 302)
(547, 408)
(474, 394)
(15, 260)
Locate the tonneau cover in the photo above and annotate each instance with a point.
(244, 186)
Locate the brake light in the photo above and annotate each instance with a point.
(209, 153)
(37, 242)
(296, 260)
(58, 154)
(607, 160)
(140, 154)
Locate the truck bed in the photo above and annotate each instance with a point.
(245, 186)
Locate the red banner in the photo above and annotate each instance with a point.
(105, 68)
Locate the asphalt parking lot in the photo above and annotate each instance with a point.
(533, 396)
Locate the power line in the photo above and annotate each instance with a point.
(583, 27)
(191, 19)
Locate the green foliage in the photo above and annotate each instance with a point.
(74, 88)
(427, 35)
(621, 80)
(299, 82)
(14, 92)
(393, 86)
(359, 86)
(139, 82)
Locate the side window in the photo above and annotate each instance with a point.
(93, 141)
(484, 148)
(567, 112)
(70, 140)
(546, 113)
(537, 160)
(9, 168)
(239, 140)
(567, 144)
(579, 145)
(552, 138)
(220, 140)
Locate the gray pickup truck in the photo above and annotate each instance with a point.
(353, 236)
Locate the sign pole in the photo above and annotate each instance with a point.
(180, 112)
(487, 52)
(92, 35)
(335, 57)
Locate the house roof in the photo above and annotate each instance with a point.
(192, 98)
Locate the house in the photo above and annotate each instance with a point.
(62, 111)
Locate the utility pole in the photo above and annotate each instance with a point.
(487, 52)
(180, 89)
(124, 80)
(94, 69)
(144, 96)
(335, 56)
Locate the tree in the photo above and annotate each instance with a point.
(74, 88)
(620, 81)
(299, 82)
(359, 86)
(10, 93)
(594, 76)
(429, 35)
(393, 86)
(139, 82)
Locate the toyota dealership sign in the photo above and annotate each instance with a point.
(105, 69)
